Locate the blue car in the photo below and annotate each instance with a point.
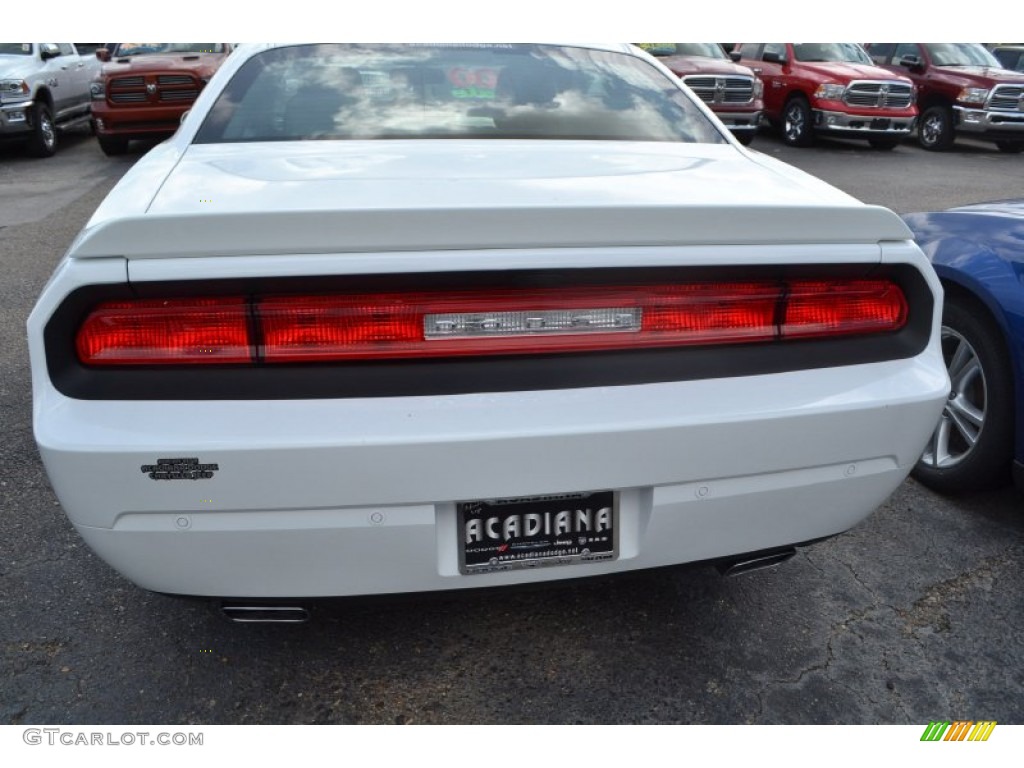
(978, 253)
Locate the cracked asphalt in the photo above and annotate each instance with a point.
(914, 615)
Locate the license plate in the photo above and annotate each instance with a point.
(880, 124)
(560, 529)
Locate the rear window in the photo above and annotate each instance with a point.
(338, 91)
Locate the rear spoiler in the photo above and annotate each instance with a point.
(151, 236)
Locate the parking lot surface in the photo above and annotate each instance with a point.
(910, 617)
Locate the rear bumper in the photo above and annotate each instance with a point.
(349, 497)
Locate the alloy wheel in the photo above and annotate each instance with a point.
(931, 129)
(795, 123)
(963, 416)
(935, 131)
(47, 131)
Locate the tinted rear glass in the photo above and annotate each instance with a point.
(335, 91)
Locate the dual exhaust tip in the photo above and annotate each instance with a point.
(245, 613)
(254, 613)
(755, 562)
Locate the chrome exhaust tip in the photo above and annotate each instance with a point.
(264, 614)
(755, 563)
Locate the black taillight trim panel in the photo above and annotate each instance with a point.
(419, 377)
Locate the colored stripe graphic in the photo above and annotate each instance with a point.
(958, 731)
(982, 730)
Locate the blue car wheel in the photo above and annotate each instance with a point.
(972, 446)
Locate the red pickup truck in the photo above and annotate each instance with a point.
(732, 91)
(145, 88)
(962, 89)
(831, 89)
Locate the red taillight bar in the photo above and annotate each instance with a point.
(431, 324)
(302, 328)
(824, 308)
(167, 332)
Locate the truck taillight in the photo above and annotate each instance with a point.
(236, 330)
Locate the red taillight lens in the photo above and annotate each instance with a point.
(705, 313)
(433, 324)
(301, 328)
(841, 308)
(155, 331)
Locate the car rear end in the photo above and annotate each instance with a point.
(554, 360)
(259, 448)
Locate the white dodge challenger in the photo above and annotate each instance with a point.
(389, 319)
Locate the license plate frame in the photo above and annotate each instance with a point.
(881, 124)
(498, 534)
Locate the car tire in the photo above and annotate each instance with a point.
(43, 142)
(972, 446)
(1010, 147)
(796, 123)
(885, 145)
(113, 145)
(935, 130)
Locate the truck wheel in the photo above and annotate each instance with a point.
(935, 132)
(113, 145)
(796, 123)
(885, 145)
(1011, 147)
(972, 446)
(43, 142)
